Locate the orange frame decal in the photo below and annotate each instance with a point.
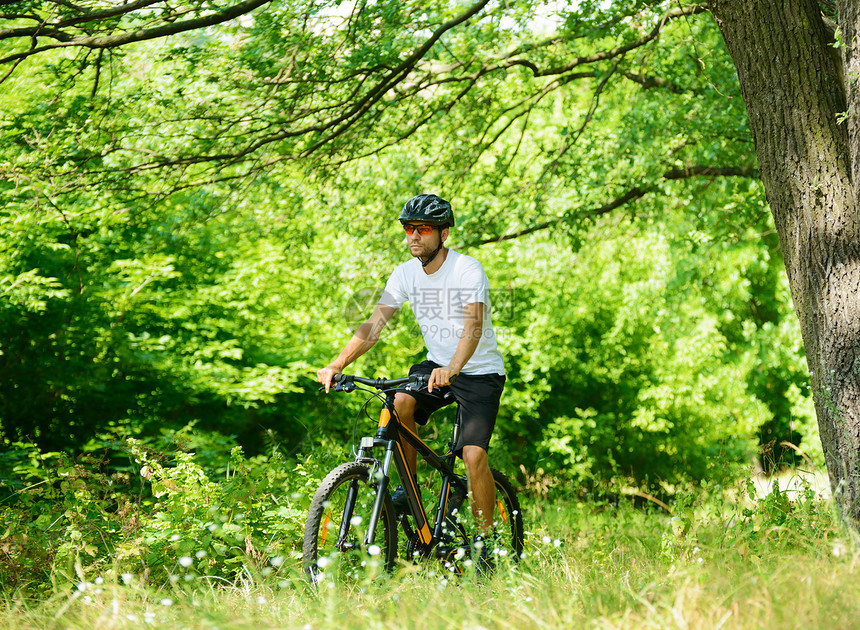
(423, 528)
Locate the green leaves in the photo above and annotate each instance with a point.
(192, 225)
(643, 380)
(30, 291)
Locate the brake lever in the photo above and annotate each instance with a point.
(421, 381)
(349, 387)
(418, 384)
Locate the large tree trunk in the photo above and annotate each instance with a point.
(793, 87)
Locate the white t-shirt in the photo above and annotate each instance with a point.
(438, 301)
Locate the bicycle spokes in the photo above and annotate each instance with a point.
(337, 538)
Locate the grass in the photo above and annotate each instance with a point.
(785, 563)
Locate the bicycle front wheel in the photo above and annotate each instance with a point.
(336, 537)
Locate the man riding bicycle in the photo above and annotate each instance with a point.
(449, 295)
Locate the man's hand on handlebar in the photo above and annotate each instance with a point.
(442, 376)
(332, 377)
(326, 375)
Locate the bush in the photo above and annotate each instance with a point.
(148, 512)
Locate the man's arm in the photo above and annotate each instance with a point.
(473, 327)
(364, 339)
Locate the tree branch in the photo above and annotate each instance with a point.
(65, 40)
(81, 19)
(338, 126)
(652, 82)
(634, 193)
(712, 171)
(671, 14)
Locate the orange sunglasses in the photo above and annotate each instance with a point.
(423, 230)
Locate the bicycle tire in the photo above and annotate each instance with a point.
(324, 521)
(507, 520)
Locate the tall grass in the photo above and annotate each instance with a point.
(780, 562)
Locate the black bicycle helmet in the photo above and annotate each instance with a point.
(428, 209)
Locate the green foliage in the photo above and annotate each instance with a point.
(163, 521)
(60, 515)
(647, 379)
(672, 347)
(190, 226)
(141, 324)
(782, 513)
(254, 516)
(587, 564)
(156, 516)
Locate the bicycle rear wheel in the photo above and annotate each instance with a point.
(507, 541)
(335, 529)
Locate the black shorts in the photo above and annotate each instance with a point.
(478, 396)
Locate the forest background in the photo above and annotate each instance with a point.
(192, 224)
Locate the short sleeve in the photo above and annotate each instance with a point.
(475, 286)
(395, 294)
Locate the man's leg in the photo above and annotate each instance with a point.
(482, 486)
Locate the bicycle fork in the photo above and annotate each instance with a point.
(379, 471)
(381, 474)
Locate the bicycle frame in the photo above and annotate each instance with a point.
(389, 435)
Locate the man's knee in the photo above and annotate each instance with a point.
(475, 457)
(406, 406)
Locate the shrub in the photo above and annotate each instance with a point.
(69, 520)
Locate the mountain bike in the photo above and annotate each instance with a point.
(352, 522)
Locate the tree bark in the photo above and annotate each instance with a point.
(793, 85)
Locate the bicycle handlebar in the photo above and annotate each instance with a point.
(348, 381)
